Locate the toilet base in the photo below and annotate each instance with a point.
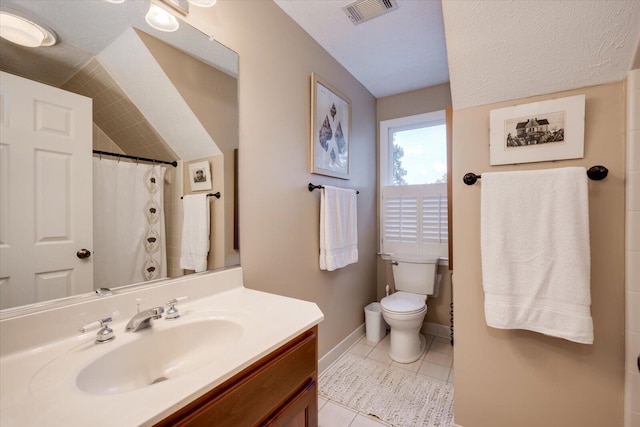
(404, 346)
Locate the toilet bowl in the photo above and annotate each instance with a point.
(405, 313)
(404, 310)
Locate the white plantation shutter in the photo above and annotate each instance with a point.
(434, 219)
(401, 219)
(414, 219)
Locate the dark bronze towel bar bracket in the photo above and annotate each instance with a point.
(595, 173)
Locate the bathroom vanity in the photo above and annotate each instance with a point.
(278, 390)
(234, 357)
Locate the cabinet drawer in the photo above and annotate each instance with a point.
(251, 396)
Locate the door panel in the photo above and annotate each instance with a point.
(45, 192)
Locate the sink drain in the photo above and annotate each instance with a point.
(159, 380)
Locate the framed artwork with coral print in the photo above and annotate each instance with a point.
(330, 130)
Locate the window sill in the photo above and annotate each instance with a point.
(442, 261)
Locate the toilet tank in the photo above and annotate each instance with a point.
(415, 274)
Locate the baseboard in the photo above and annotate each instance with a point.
(442, 331)
(337, 351)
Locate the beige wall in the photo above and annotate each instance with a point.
(279, 217)
(521, 378)
(420, 101)
(213, 97)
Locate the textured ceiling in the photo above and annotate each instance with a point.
(496, 49)
(98, 29)
(86, 28)
(397, 52)
(503, 50)
(149, 88)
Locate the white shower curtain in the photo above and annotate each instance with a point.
(128, 223)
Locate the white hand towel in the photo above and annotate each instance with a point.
(535, 252)
(195, 232)
(338, 228)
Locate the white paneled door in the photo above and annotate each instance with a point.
(45, 192)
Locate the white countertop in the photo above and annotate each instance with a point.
(38, 385)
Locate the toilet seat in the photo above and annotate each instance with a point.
(403, 303)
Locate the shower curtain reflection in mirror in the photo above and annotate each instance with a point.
(129, 223)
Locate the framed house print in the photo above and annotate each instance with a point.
(330, 130)
(200, 176)
(538, 132)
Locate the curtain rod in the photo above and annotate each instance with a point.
(136, 158)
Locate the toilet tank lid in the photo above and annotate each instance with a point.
(416, 259)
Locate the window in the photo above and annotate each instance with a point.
(413, 177)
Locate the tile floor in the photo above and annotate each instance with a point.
(436, 364)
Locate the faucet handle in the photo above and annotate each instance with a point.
(105, 334)
(172, 313)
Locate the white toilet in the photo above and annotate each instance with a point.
(404, 310)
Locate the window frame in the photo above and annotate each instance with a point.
(404, 123)
(385, 169)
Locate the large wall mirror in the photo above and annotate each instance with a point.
(155, 96)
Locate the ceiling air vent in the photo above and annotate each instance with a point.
(363, 10)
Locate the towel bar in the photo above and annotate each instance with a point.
(312, 187)
(216, 195)
(595, 173)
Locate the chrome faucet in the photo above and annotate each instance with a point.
(144, 319)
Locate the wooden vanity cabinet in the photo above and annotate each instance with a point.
(279, 390)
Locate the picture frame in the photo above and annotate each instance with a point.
(330, 142)
(200, 176)
(538, 132)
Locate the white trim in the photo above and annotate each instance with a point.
(342, 347)
(384, 171)
(388, 256)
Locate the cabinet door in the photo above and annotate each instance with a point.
(300, 411)
(278, 390)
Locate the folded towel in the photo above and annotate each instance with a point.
(338, 228)
(195, 232)
(535, 252)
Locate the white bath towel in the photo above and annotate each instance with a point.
(535, 252)
(195, 232)
(338, 228)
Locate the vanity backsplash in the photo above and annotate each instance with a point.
(36, 330)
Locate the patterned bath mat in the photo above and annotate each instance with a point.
(393, 395)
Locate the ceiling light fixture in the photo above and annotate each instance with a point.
(203, 3)
(160, 19)
(24, 31)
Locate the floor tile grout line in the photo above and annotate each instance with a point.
(383, 346)
(390, 365)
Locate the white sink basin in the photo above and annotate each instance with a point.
(159, 356)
